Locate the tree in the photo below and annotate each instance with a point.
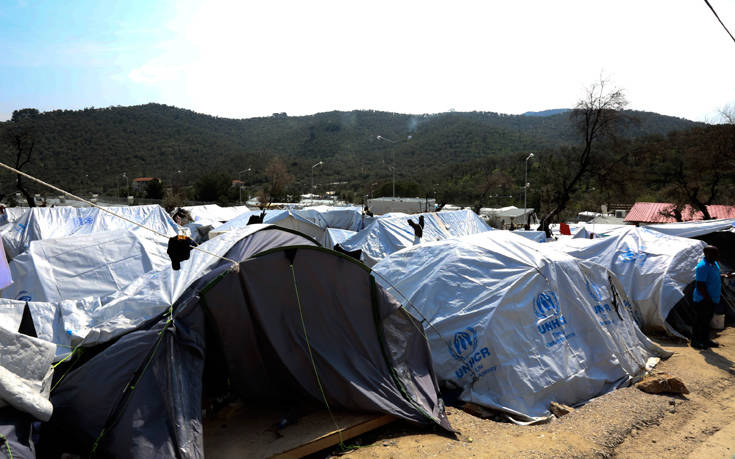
(19, 140)
(595, 117)
(212, 187)
(694, 168)
(278, 180)
(154, 189)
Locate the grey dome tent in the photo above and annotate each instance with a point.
(257, 326)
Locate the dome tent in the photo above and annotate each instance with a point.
(140, 394)
(515, 325)
(654, 268)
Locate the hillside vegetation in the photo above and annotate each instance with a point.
(449, 155)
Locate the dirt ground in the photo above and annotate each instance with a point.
(624, 423)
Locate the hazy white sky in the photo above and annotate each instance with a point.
(242, 59)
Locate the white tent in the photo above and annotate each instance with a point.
(215, 213)
(653, 267)
(312, 225)
(389, 233)
(695, 228)
(98, 319)
(515, 324)
(95, 264)
(536, 236)
(50, 223)
(337, 236)
(12, 214)
(347, 218)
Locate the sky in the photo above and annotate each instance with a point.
(241, 59)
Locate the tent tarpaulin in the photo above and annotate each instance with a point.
(391, 232)
(346, 218)
(695, 228)
(337, 236)
(654, 268)
(75, 267)
(515, 324)
(312, 225)
(49, 223)
(215, 213)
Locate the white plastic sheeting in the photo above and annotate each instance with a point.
(694, 229)
(215, 213)
(337, 236)
(391, 232)
(94, 320)
(25, 369)
(536, 236)
(346, 218)
(49, 223)
(12, 214)
(312, 225)
(515, 324)
(654, 268)
(75, 267)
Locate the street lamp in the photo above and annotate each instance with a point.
(312, 174)
(239, 179)
(393, 168)
(525, 183)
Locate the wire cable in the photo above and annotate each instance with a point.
(718, 18)
(92, 204)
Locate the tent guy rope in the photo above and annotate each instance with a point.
(92, 204)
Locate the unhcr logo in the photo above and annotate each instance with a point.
(464, 344)
(594, 290)
(24, 295)
(628, 256)
(547, 305)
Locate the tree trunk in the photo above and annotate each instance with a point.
(29, 199)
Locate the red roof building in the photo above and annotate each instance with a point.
(662, 212)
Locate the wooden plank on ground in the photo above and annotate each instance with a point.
(243, 431)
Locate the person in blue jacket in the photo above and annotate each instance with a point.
(706, 297)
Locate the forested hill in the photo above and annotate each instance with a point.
(93, 147)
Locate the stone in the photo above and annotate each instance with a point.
(662, 384)
(559, 409)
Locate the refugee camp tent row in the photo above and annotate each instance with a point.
(312, 224)
(214, 212)
(138, 393)
(514, 325)
(206, 217)
(654, 268)
(389, 233)
(95, 264)
(346, 218)
(42, 223)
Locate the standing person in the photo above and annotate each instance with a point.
(706, 297)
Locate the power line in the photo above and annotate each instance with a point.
(718, 18)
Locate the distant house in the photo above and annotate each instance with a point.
(663, 212)
(237, 183)
(140, 183)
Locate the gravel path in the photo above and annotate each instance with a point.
(623, 423)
